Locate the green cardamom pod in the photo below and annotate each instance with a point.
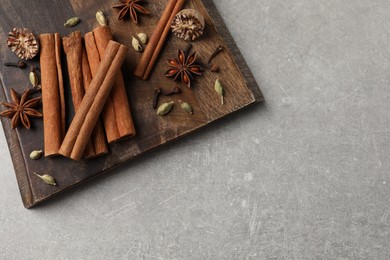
(35, 155)
(136, 45)
(47, 179)
(219, 89)
(187, 107)
(72, 22)
(101, 18)
(143, 38)
(165, 108)
(33, 78)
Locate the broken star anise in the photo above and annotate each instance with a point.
(21, 108)
(184, 67)
(133, 7)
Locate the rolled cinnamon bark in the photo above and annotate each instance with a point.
(116, 114)
(91, 106)
(80, 78)
(159, 36)
(98, 137)
(53, 99)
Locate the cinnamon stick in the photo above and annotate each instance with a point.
(93, 102)
(80, 78)
(98, 137)
(53, 98)
(157, 40)
(116, 114)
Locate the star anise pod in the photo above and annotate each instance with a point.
(184, 67)
(21, 108)
(133, 7)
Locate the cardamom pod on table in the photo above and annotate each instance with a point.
(165, 108)
(72, 22)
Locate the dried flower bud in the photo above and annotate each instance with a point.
(72, 22)
(136, 45)
(143, 38)
(101, 18)
(214, 68)
(20, 64)
(165, 108)
(23, 43)
(188, 24)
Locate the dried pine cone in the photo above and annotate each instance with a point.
(188, 24)
(23, 43)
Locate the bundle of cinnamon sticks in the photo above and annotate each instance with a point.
(97, 88)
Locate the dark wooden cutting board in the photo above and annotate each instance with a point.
(43, 16)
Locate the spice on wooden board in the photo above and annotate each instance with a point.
(186, 107)
(165, 108)
(23, 43)
(33, 77)
(175, 90)
(72, 22)
(21, 108)
(188, 24)
(36, 154)
(157, 40)
(184, 68)
(116, 114)
(101, 18)
(143, 38)
(86, 117)
(131, 8)
(220, 90)
(80, 78)
(136, 44)
(215, 54)
(53, 97)
(20, 64)
(157, 93)
(48, 179)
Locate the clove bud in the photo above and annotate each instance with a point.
(175, 90)
(215, 53)
(214, 68)
(157, 93)
(20, 64)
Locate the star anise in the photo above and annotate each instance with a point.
(184, 67)
(21, 108)
(133, 7)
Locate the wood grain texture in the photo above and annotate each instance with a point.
(241, 88)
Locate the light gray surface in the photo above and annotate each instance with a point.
(304, 176)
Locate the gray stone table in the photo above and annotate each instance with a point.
(306, 175)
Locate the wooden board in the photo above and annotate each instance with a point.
(48, 17)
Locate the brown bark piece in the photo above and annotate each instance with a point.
(53, 99)
(80, 78)
(93, 102)
(116, 114)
